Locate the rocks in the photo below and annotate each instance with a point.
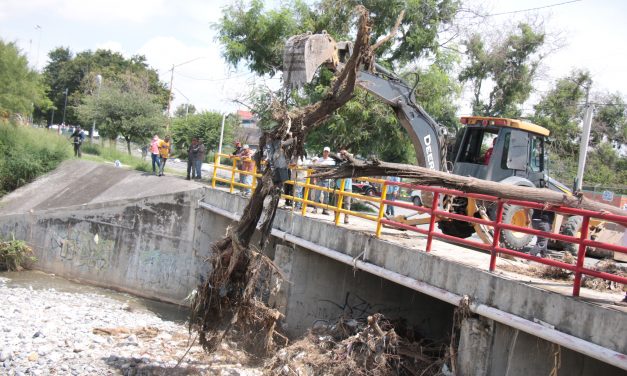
(93, 334)
(5, 355)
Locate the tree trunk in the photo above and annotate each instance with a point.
(229, 297)
(128, 146)
(425, 176)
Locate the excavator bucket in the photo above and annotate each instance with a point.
(302, 56)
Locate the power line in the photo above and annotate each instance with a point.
(211, 79)
(531, 9)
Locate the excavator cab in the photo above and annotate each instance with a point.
(502, 150)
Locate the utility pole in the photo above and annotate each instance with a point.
(93, 125)
(583, 146)
(167, 127)
(171, 81)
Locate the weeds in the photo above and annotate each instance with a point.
(28, 153)
(15, 255)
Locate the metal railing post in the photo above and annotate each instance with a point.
(254, 181)
(581, 255)
(496, 239)
(434, 207)
(306, 193)
(216, 163)
(233, 175)
(340, 201)
(384, 194)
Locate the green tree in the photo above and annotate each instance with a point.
(21, 88)
(78, 74)
(560, 110)
(506, 68)
(184, 110)
(256, 37)
(610, 120)
(204, 125)
(126, 109)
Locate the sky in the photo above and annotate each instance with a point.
(180, 33)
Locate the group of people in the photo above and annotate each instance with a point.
(160, 152)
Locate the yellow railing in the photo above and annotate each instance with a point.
(307, 187)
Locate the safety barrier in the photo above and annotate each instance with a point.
(435, 213)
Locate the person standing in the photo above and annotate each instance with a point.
(154, 154)
(541, 220)
(192, 154)
(392, 194)
(199, 159)
(326, 160)
(79, 136)
(248, 165)
(165, 149)
(348, 187)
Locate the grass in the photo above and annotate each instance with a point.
(99, 153)
(28, 153)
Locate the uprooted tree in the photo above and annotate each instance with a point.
(227, 302)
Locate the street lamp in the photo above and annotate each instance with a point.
(93, 126)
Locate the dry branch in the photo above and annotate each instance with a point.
(425, 176)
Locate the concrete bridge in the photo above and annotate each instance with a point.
(150, 236)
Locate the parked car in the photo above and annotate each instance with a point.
(366, 188)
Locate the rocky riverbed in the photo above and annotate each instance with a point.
(47, 329)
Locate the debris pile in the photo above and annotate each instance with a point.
(607, 266)
(358, 347)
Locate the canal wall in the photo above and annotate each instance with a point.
(150, 236)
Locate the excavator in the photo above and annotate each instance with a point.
(503, 150)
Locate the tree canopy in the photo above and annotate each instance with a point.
(126, 109)
(21, 88)
(254, 36)
(78, 74)
(204, 125)
(506, 68)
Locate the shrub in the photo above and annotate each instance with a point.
(28, 153)
(15, 255)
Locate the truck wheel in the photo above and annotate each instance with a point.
(515, 215)
(458, 229)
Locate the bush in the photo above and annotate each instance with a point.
(15, 255)
(28, 153)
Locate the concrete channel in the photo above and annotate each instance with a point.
(149, 236)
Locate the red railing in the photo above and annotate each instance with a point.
(497, 224)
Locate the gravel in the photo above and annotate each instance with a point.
(47, 332)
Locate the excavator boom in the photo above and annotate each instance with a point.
(305, 53)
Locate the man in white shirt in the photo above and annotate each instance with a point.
(326, 160)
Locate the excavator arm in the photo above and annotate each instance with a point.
(303, 55)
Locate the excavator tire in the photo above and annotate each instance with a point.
(458, 229)
(514, 214)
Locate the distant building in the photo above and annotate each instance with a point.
(248, 133)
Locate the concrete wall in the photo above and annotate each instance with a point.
(155, 246)
(144, 246)
(487, 348)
